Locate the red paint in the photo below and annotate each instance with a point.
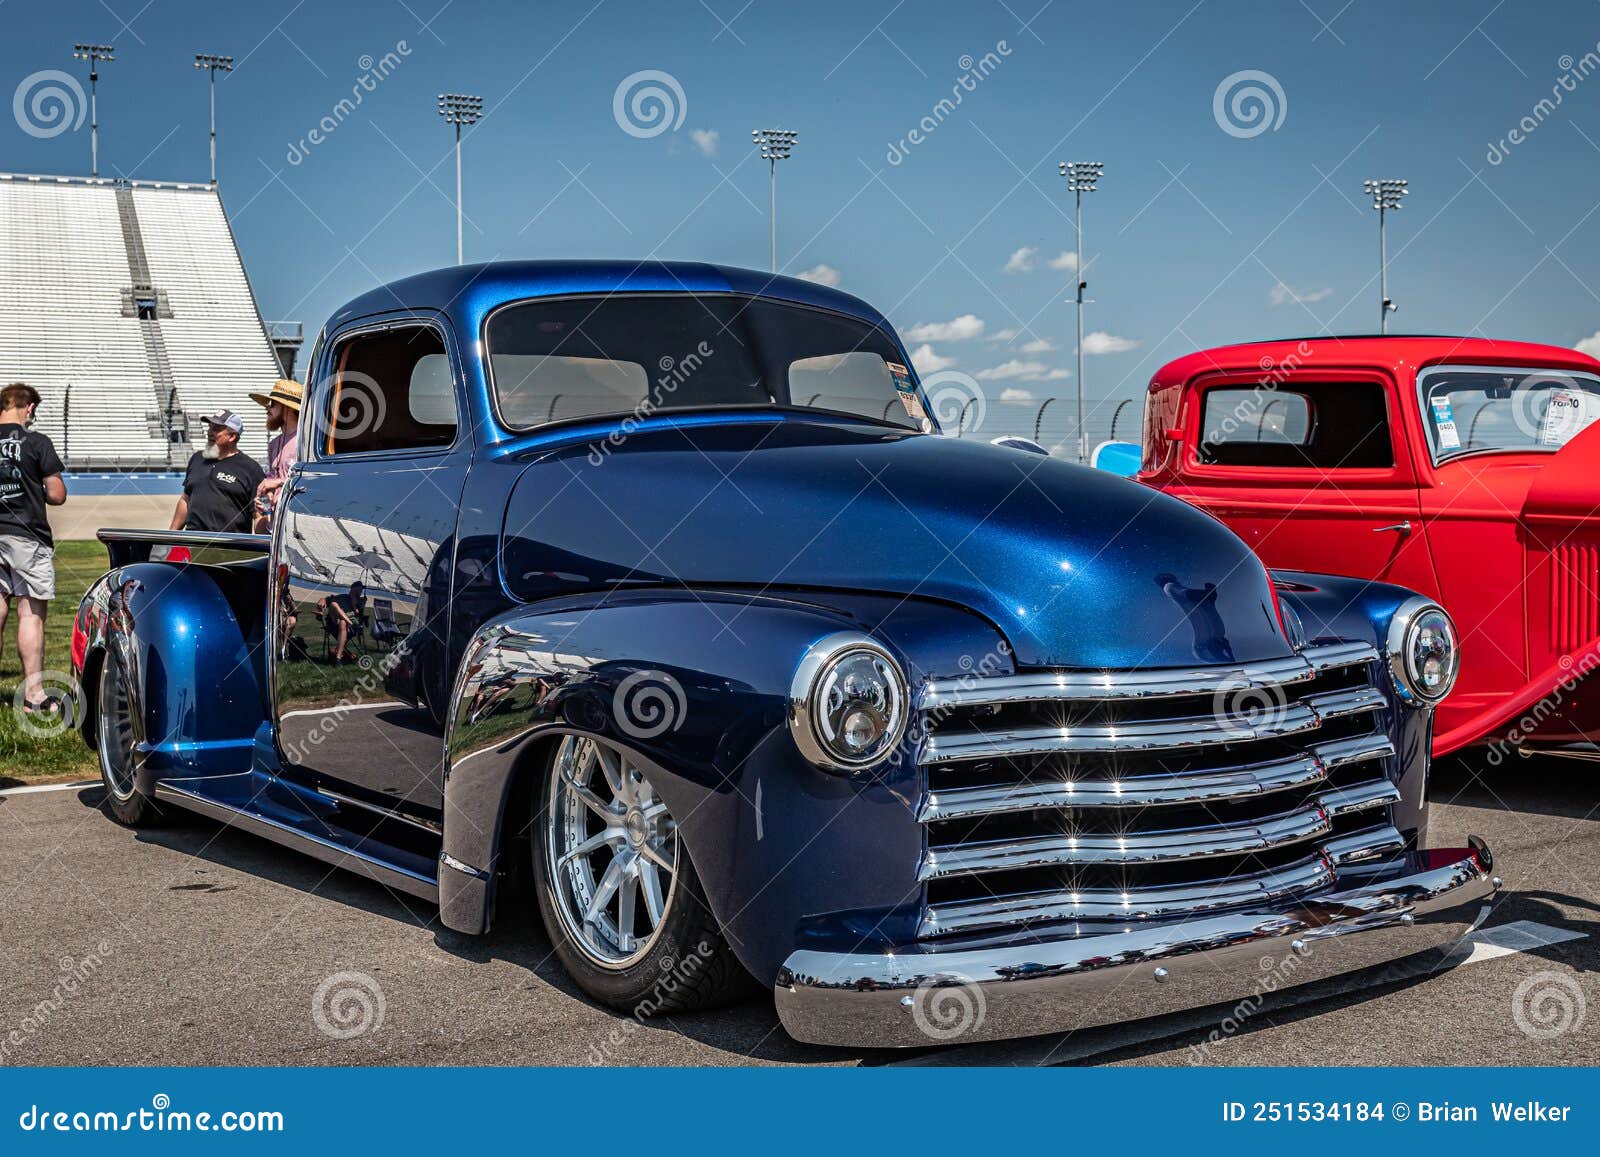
(1507, 541)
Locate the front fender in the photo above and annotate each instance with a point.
(788, 854)
(194, 675)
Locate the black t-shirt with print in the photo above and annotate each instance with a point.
(27, 458)
(221, 492)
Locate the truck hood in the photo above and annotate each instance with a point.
(1074, 566)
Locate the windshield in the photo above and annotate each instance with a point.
(579, 357)
(1472, 409)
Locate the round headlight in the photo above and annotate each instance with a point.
(848, 703)
(1424, 653)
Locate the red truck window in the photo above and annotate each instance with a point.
(1324, 426)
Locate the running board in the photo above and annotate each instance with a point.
(325, 847)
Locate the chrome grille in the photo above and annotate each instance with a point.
(1081, 796)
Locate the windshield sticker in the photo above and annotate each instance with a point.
(907, 391)
(1568, 413)
(1444, 421)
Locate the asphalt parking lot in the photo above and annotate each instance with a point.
(195, 944)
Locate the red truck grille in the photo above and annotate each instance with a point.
(1574, 596)
(1126, 795)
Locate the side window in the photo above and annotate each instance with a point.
(1324, 426)
(389, 390)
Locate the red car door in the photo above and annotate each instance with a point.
(1314, 471)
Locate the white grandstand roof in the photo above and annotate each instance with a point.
(126, 304)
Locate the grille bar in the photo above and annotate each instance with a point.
(1154, 790)
(1103, 686)
(1133, 904)
(1138, 848)
(1149, 735)
(1365, 845)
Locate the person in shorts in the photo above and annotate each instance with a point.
(30, 480)
(219, 485)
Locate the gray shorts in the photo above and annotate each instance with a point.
(27, 567)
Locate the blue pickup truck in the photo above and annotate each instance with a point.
(650, 594)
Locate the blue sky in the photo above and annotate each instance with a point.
(1197, 236)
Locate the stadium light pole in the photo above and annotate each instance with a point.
(1386, 193)
(458, 108)
(213, 64)
(1082, 177)
(776, 145)
(95, 54)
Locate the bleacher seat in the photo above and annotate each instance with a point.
(64, 275)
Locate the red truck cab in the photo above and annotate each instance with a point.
(1464, 468)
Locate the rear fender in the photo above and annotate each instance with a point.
(195, 684)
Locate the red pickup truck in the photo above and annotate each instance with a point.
(1464, 468)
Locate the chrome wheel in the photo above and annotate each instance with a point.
(116, 740)
(612, 852)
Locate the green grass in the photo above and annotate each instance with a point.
(26, 758)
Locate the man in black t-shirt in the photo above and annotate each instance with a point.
(219, 486)
(30, 479)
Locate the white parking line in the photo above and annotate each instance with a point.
(75, 785)
(1508, 940)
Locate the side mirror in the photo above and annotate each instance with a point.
(1017, 442)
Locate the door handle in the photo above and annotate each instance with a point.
(1401, 528)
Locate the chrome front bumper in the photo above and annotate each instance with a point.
(925, 995)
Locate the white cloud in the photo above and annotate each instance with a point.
(1038, 346)
(1024, 260)
(1057, 375)
(1003, 335)
(1066, 259)
(821, 274)
(1590, 345)
(1015, 368)
(928, 362)
(1282, 294)
(1101, 342)
(705, 140)
(1012, 394)
(963, 328)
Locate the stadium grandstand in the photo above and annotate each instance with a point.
(126, 304)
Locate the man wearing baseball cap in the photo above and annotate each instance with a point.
(219, 486)
(283, 423)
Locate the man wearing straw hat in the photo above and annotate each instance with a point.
(283, 422)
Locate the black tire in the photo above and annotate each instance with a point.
(116, 734)
(689, 965)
